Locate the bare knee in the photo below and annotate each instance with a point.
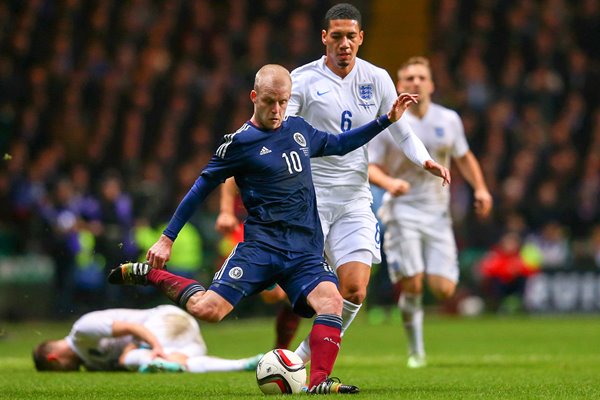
(354, 279)
(208, 313)
(412, 285)
(442, 288)
(208, 307)
(331, 304)
(326, 299)
(353, 292)
(443, 293)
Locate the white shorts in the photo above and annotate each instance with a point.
(418, 241)
(351, 232)
(176, 331)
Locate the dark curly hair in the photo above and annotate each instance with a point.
(342, 11)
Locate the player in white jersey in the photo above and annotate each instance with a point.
(336, 93)
(418, 230)
(164, 338)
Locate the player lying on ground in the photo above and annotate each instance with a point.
(160, 339)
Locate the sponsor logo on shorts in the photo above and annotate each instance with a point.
(236, 272)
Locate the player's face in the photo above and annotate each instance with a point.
(416, 78)
(270, 103)
(342, 40)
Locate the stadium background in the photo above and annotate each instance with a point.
(109, 109)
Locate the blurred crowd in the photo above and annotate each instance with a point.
(109, 109)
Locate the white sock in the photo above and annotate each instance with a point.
(411, 308)
(303, 351)
(201, 364)
(348, 314)
(136, 358)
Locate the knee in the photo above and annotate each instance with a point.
(443, 292)
(412, 285)
(353, 292)
(207, 312)
(331, 304)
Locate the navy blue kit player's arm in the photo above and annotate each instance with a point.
(205, 184)
(235, 157)
(345, 142)
(196, 195)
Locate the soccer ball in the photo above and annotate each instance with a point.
(280, 371)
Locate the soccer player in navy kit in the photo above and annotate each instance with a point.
(269, 156)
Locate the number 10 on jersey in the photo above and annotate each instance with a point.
(293, 162)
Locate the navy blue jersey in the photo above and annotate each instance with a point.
(272, 170)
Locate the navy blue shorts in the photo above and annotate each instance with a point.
(253, 267)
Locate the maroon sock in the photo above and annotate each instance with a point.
(324, 340)
(286, 325)
(175, 287)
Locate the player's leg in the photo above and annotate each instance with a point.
(441, 287)
(325, 338)
(311, 286)
(187, 293)
(441, 264)
(403, 248)
(352, 245)
(202, 364)
(287, 321)
(410, 304)
(286, 325)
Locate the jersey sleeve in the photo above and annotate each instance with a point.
(461, 145)
(377, 148)
(328, 144)
(96, 325)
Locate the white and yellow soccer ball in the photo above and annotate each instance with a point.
(280, 371)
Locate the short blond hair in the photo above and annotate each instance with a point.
(417, 60)
(271, 73)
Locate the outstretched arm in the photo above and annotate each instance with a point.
(350, 140)
(160, 252)
(469, 168)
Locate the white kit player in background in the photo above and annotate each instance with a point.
(337, 92)
(419, 238)
(160, 339)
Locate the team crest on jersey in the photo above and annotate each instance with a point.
(299, 139)
(236, 272)
(439, 131)
(365, 91)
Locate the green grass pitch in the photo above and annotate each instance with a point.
(481, 358)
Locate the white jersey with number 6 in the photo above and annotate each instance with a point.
(333, 104)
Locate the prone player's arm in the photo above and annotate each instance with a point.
(227, 221)
(139, 331)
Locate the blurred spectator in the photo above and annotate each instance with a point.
(504, 272)
(551, 246)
